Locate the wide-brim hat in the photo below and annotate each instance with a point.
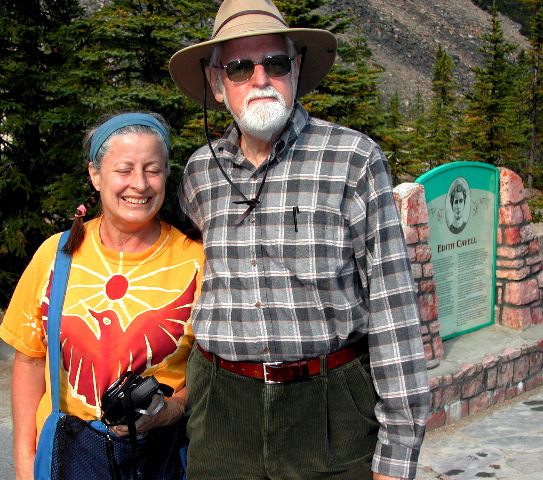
(247, 18)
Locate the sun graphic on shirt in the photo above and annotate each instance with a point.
(129, 290)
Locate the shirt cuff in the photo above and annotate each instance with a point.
(395, 461)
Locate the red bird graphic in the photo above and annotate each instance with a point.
(93, 364)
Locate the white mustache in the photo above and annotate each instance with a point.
(267, 92)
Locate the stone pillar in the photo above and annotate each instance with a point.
(519, 276)
(411, 204)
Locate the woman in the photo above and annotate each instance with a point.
(133, 281)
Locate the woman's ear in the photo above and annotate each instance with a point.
(94, 176)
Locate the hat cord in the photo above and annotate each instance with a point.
(253, 202)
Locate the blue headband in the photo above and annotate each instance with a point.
(103, 132)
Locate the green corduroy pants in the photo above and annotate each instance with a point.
(243, 429)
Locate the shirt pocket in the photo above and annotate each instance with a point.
(314, 243)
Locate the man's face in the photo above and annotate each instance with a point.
(261, 105)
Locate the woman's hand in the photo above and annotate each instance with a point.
(172, 411)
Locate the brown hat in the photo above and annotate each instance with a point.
(246, 18)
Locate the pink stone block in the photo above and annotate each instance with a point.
(411, 234)
(513, 274)
(499, 236)
(521, 369)
(428, 352)
(534, 382)
(505, 374)
(499, 395)
(413, 203)
(451, 393)
(536, 363)
(424, 233)
(473, 387)
(435, 327)
(491, 378)
(428, 269)
(537, 315)
(424, 252)
(427, 286)
(436, 420)
(510, 215)
(511, 187)
(512, 252)
(512, 236)
(522, 293)
(534, 247)
(434, 382)
(479, 403)
(437, 345)
(526, 212)
(517, 318)
(428, 307)
(527, 233)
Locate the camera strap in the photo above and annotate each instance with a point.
(131, 423)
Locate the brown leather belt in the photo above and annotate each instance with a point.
(282, 372)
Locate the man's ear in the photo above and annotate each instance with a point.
(212, 75)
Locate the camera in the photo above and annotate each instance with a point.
(130, 396)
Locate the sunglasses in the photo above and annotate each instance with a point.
(242, 69)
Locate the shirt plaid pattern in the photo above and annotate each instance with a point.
(320, 262)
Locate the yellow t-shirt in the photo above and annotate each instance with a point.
(122, 311)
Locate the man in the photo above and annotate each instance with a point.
(307, 279)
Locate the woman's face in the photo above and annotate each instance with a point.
(458, 205)
(131, 181)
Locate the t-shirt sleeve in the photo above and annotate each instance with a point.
(22, 326)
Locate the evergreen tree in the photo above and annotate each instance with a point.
(35, 127)
(494, 126)
(443, 112)
(394, 136)
(535, 89)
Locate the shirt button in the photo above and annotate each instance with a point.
(258, 305)
(253, 263)
(253, 220)
(265, 350)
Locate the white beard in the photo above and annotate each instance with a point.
(262, 120)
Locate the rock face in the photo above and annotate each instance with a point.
(404, 35)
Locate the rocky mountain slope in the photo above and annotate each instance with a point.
(404, 35)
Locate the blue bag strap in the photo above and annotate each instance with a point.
(56, 301)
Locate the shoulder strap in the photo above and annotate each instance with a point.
(56, 301)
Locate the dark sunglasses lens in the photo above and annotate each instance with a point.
(277, 65)
(240, 70)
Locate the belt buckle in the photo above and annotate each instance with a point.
(265, 366)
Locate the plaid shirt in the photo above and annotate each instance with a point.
(320, 262)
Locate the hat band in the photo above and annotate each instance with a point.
(248, 12)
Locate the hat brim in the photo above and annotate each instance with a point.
(186, 67)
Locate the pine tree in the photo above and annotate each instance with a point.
(443, 114)
(535, 89)
(494, 127)
(394, 138)
(35, 130)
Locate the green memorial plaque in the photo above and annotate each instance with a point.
(462, 201)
